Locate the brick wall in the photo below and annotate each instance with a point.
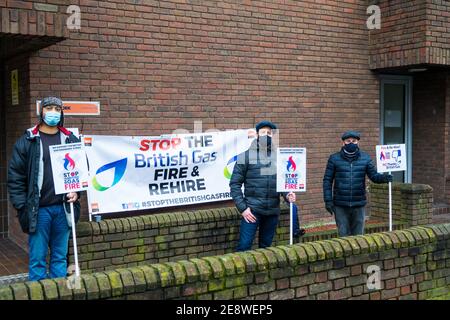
(17, 118)
(412, 204)
(127, 242)
(3, 161)
(429, 125)
(24, 27)
(402, 37)
(438, 31)
(412, 32)
(162, 65)
(413, 264)
(447, 139)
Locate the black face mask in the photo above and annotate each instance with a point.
(351, 147)
(265, 142)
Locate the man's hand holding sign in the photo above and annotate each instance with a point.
(72, 197)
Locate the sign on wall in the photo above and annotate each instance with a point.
(291, 169)
(15, 87)
(77, 108)
(135, 173)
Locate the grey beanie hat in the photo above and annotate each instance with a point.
(52, 101)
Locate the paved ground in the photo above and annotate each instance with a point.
(441, 218)
(13, 259)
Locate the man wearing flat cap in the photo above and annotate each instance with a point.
(42, 214)
(344, 185)
(260, 202)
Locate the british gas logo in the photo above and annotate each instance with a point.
(291, 165)
(226, 171)
(119, 168)
(69, 163)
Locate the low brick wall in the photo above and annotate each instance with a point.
(414, 264)
(412, 204)
(127, 242)
(131, 241)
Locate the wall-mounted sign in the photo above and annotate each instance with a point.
(77, 108)
(15, 87)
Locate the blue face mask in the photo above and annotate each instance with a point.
(351, 147)
(52, 118)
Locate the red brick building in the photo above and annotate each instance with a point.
(311, 66)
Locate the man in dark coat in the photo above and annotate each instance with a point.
(346, 199)
(42, 214)
(260, 202)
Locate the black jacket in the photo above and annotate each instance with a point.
(349, 177)
(25, 177)
(256, 170)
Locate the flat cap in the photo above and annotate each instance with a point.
(265, 123)
(351, 134)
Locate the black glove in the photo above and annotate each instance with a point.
(330, 207)
(389, 178)
(299, 232)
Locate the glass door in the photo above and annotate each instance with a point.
(396, 117)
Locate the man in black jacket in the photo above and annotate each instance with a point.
(260, 203)
(348, 169)
(42, 214)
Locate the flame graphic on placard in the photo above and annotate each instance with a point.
(68, 161)
(291, 166)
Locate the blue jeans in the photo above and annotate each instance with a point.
(350, 221)
(52, 232)
(295, 219)
(267, 226)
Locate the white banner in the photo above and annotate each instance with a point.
(135, 173)
(69, 166)
(291, 169)
(391, 158)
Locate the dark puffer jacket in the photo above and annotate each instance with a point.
(349, 176)
(256, 169)
(25, 176)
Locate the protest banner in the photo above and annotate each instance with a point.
(135, 173)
